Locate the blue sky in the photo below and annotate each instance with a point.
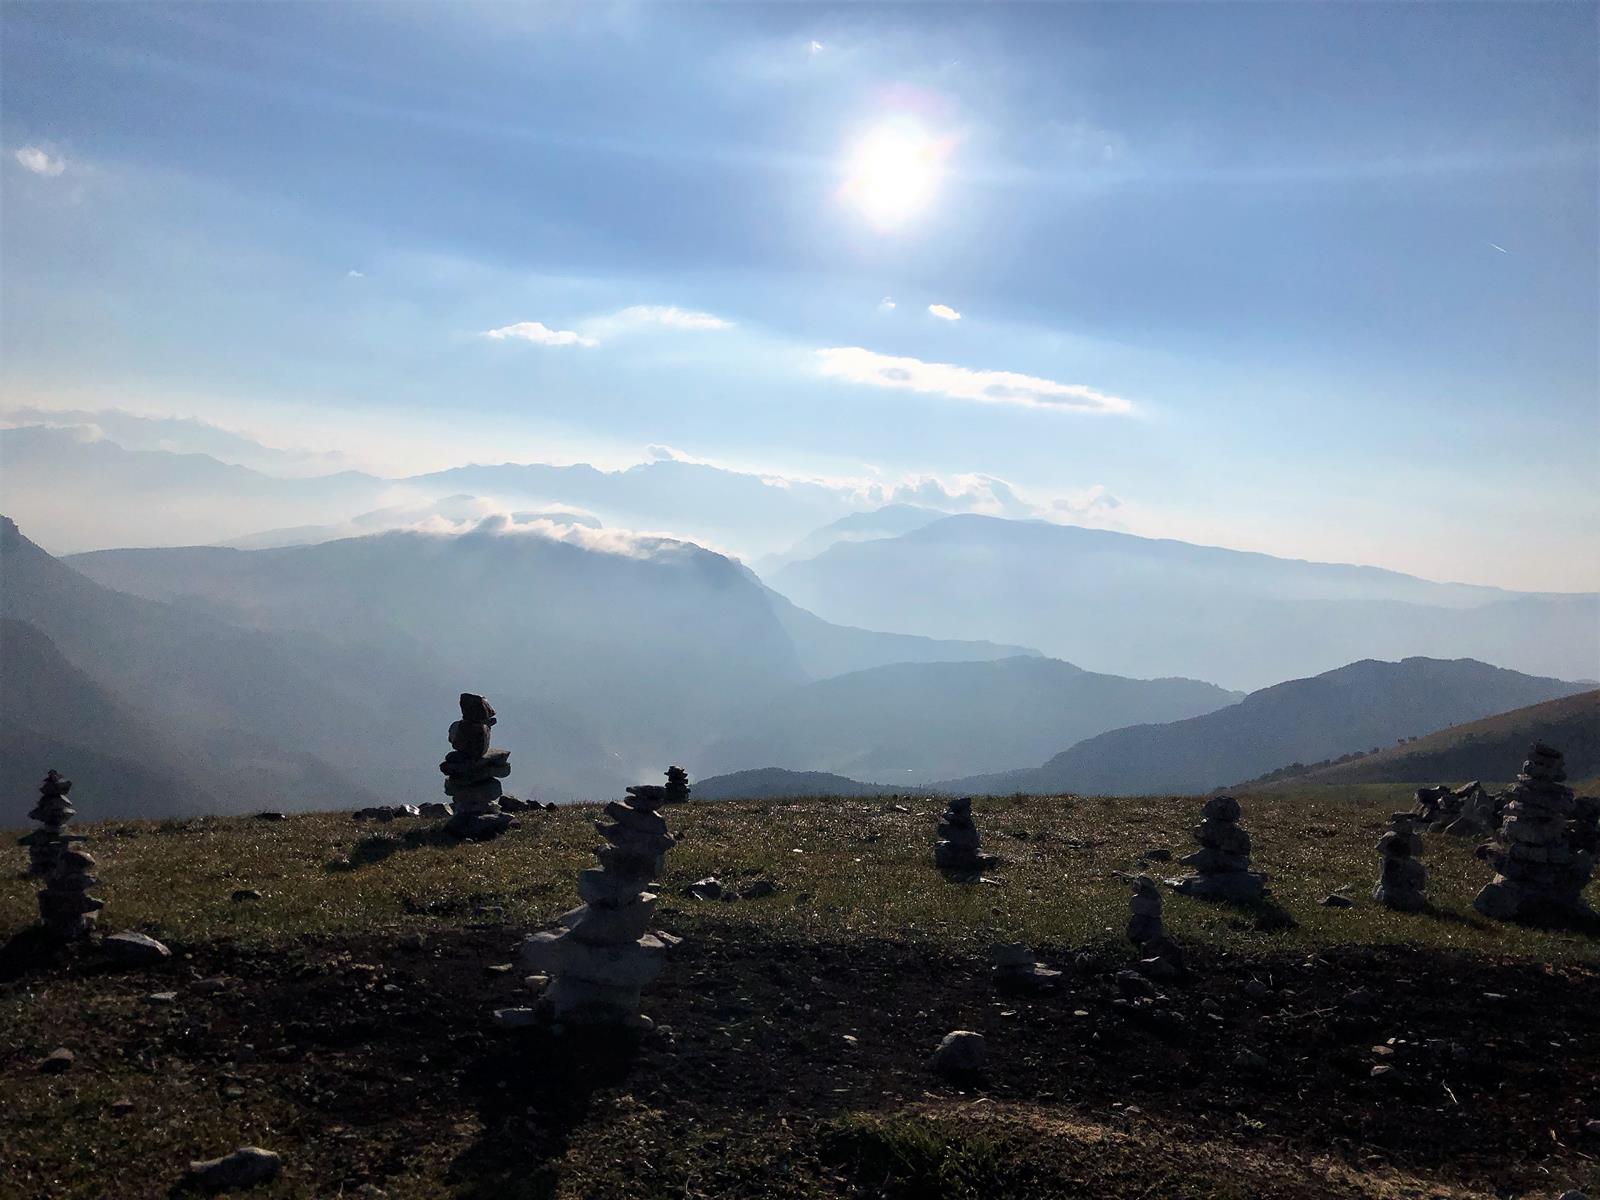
(1316, 280)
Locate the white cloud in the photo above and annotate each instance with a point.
(671, 317)
(40, 161)
(886, 304)
(354, 274)
(814, 46)
(856, 365)
(539, 334)
(1092, 501)
(944, 312)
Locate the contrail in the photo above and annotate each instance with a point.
(1502, 249)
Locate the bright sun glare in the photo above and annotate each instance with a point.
(893, 172)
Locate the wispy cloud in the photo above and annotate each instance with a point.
(856, 365)
(671, 317)
(354, 274)
(539, 334)
(40, 161)
(886, 304)
(944, 312)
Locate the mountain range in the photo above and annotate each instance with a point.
(1363, 706)
(1146, 607)
(913, 721)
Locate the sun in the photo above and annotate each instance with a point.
(892, 174)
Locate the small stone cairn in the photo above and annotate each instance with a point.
(604, 954)
(472, 773)
(1543, 854)
(677, 790)
(956, 851)
(1159, 956)
(1467, 811)
(1401, 876)
(65, 906)
(1222, 864)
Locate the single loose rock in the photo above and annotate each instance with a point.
(473, 772)
(1222, 864)
(604, 954)
(1543, 854)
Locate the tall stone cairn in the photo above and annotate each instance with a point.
(472, 773)
(604, 955)
(1401, 876)
(957, 851)
(1222, 864)
(65, 906)
(1543, 854)
(677, 790)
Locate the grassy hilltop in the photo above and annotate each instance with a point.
(800, 1022)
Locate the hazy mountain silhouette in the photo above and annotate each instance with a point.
(774, 783)
(1356, 707)
(54, 715)
(907, 722)
(889, 521)
(238, 717)
(635, 650)
(1141, 607)
(1491, 749)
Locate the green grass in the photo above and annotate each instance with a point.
(844, 868)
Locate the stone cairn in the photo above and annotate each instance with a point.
(65, 906)
(677, 790)
(956, 851)
(472, 773)
(1159, 956)
(604, 954)
(1401, 877)
(1222, 864)
(1467, 811)
(1543, 854)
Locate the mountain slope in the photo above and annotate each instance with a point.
(916, 721)
(52, 715)
(247, 711)
(1142, 607)
(1490, 749)
(889, 521)
(1355, 707)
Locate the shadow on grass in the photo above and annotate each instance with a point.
(530, 1092)
(31, 948)
(376, 847)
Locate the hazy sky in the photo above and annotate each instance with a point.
(1315, 280)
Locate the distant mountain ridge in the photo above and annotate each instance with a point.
(912, 721)
(1356, 707)
(1491, 749)
(774, 783)
(1144, 607)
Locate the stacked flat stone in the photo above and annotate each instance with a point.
(1401, 877)
(1541, 855)
(677, 791)
(53, 810)
(1222, 864)
(1159, 956)
(957, 848)
(65, 906)
(604, 955)
(473, 771)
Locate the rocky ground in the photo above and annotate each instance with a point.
(1303, 1058)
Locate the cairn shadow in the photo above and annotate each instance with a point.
(32, 948)
(530, 1092)
(376, 847)
(1264, 915)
